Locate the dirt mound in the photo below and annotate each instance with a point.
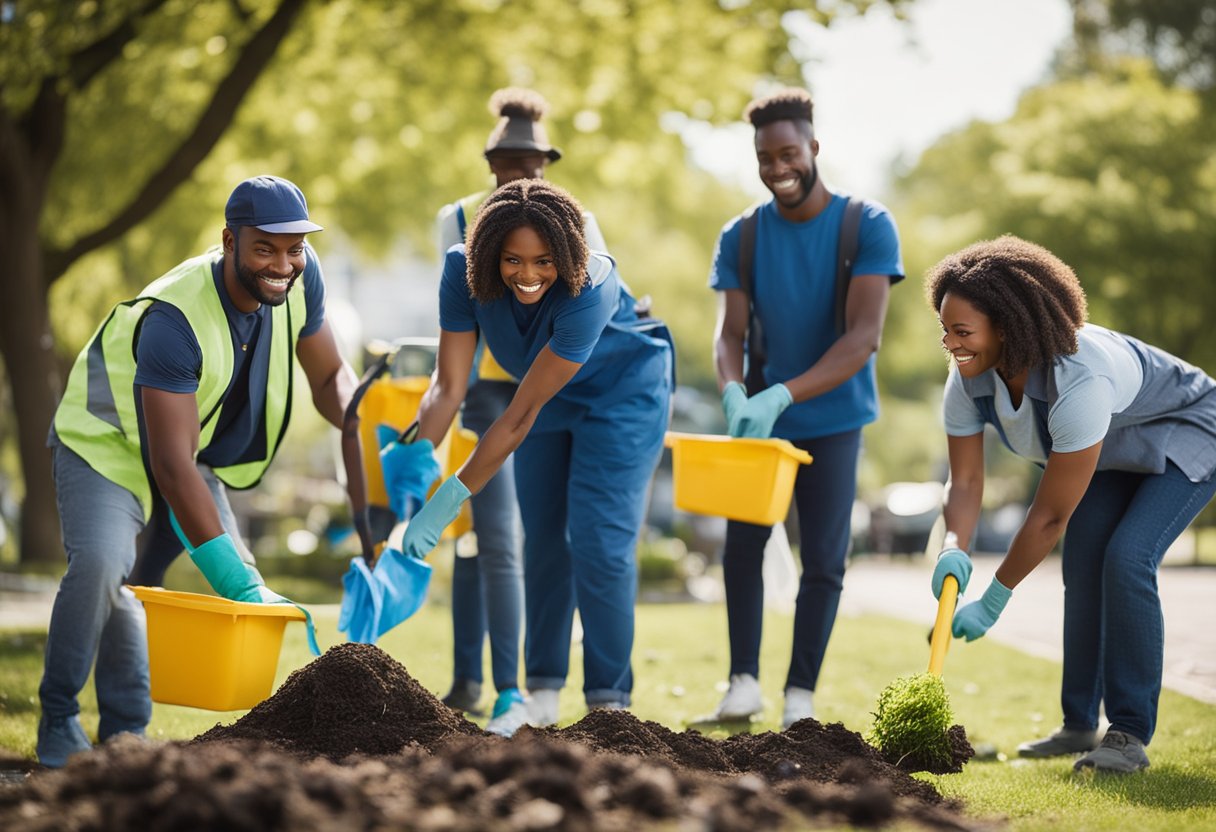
(531, 783)
(352, 741)
(806, 750)
(354, 699)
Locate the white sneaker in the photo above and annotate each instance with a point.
(742, 699)
(510, 714)
(799, 704)
(542, 706)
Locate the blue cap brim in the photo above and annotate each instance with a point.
(294, 227)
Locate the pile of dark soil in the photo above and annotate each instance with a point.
(353, 742)
(355, 699)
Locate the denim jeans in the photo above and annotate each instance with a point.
(487, 590)
(823, 495)
(94, 617)
(1114, 634)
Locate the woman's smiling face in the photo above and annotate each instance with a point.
(526, 264)
(969, 336)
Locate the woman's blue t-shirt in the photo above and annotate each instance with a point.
(578, 329)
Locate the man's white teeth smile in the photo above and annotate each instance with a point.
(785, 184)
(276, 282)
(529, 289)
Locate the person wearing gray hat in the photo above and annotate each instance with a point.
(182, 393)
(487, 590)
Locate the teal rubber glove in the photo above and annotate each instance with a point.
(760, 412)
(734, 396)
(952, 561)
(236, 580)
(422, 533)
(974, 619)
(228, 575)
(409, 470)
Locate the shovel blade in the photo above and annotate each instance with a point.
(402, 583)
(361, 603)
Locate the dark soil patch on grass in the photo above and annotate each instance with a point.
(352, 741)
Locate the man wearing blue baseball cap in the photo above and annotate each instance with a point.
(183, 392)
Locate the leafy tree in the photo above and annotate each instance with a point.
(124, 124)
(1178, 36)
(61, 65)
(1116, 175)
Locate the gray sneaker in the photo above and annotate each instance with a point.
(1119, 753)
(1063, 742)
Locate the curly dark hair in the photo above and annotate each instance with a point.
(789, 103)
(518, 102)
(1031, 296)
(553, 213)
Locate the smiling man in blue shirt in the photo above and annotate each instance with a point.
(818, 384)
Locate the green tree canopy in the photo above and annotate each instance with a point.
(123, 125)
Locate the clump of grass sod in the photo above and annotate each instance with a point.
(912, 724)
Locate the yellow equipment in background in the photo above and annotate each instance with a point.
(394, 402)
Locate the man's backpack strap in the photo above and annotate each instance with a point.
(754, 377)
(846, 256)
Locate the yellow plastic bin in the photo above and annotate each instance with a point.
(209, 652)
(395, 402)
(740, 479)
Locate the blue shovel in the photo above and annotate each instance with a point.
(380, 594)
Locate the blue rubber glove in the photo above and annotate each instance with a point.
(734, 396)
(973, 620)
(409, 470)
(952, 561)
(422, 533)
(760, 412)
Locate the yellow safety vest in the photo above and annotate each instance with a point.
(97, 415)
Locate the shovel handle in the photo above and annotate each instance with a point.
(941, 627)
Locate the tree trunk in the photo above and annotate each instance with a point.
(27, 347)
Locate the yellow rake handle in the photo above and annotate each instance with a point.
(941, 627)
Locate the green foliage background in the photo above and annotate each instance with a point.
(378, 109)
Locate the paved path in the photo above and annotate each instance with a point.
(1033, 621)
(898, 587)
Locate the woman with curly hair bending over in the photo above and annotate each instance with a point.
(586, 426)
(1126, 434)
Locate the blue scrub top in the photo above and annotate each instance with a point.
(590, 329)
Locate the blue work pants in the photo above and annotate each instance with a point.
(823, 494)
(582, 494)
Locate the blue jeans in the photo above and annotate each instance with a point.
(1114, 634)
(823, 494)
(487, 590)
(94, 617)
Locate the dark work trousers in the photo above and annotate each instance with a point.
(823, 495)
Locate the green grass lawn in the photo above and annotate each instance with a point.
(1002, 697)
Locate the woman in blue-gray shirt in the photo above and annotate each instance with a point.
(586, 426)
(1126, 434)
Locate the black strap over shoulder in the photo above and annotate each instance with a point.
(846, 256)
(754, 375)
(849, 244)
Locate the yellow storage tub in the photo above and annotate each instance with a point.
(750, 480)
(209, 652)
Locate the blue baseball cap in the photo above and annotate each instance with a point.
(271, 204)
